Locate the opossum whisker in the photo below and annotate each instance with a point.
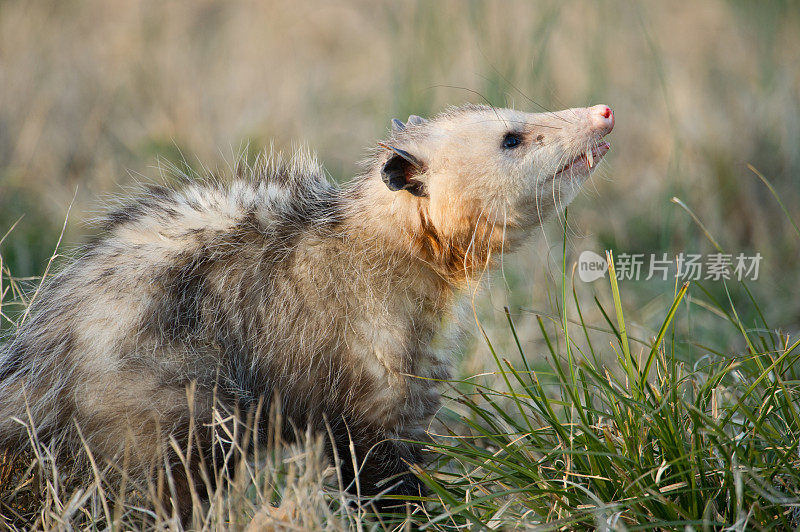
(502, 249)
(508, 121)
(531, 100)
(557, 197)
(484, 98)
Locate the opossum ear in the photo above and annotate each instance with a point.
(397, 125)
(415, 120)
(400, 171)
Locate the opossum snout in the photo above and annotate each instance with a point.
(602, 119)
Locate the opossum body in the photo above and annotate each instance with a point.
(278, 283)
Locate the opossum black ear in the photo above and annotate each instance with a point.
(400, 171)
(416, 120)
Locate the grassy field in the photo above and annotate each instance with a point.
(578, 405)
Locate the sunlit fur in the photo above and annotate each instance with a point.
(273, 282)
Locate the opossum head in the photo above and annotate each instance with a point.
(498, 170)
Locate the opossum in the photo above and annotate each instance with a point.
(275, 286)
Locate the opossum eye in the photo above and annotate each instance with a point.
(511, 140)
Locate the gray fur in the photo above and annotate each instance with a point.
(277, 283)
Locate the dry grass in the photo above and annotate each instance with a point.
(284, 486)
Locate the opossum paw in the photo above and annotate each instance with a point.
(270, 519)
(406, 491)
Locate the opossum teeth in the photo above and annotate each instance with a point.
(589, 158)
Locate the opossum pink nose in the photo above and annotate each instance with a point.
(602, 118)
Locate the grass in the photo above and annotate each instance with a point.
(658, 438)
(652, 443)
(664, 438)
(580, 405)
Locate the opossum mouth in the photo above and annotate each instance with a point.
(586, 161)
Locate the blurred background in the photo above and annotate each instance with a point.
(93, 94)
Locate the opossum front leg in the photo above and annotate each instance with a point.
(383, 463)
(386, 470)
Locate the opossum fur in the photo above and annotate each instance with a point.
(275, 283)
